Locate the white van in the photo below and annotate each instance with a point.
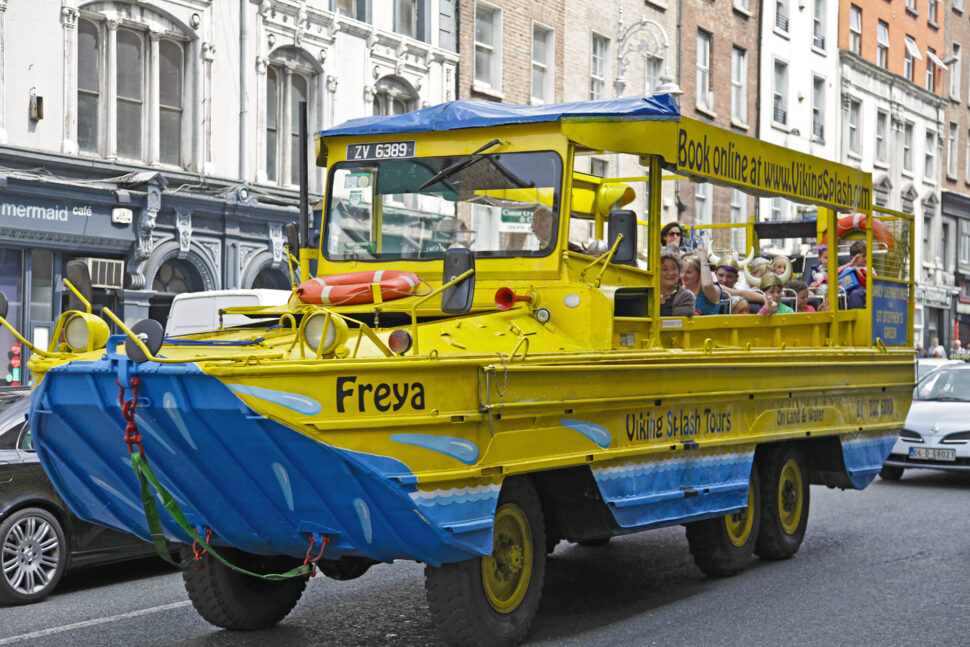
(193, 312)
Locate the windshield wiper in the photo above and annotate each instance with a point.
(463, 163)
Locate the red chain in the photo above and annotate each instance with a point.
(312, 561)
(132, 437)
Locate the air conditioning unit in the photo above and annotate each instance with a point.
(106, 273)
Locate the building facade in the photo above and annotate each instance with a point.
(158, 138)
(799, 107)
(893, 126)
(955, 194)
(719, 63)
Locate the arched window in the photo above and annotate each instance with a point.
(394, 96)
(290, 79)
(139, 114)
(176, 276)
(271, 279)
(881, 192)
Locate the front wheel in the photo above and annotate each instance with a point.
(232, 600)
(33, 554)
(891, 473)
(723, 546)
(492, 600)
(784, 515)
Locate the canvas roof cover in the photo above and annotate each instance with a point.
(456, 115)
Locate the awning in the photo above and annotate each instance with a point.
(912, 49)
(936, 60)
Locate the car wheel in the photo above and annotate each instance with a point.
(492, 600)
(723, 546)
(891, 473)
(33, 555)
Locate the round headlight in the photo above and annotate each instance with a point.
(85, 331)
(323, 332)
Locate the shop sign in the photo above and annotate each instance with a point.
(67, 217)
(963, 308)
(516, 221)
(935, 296)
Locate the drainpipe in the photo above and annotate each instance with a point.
(244, 57)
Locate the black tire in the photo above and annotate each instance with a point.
(723, 546)
(891, 473)
(595, 543)
(461, 607)
(34, 553)
(231, 600)
(784, 502)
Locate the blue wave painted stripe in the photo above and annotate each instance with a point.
(641, 470)
(599, 435)
(458, 448)
(299, 403)
(449, 499)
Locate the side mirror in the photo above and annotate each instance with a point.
(457, 300)
(293, 238)
(623, 222)
(4, 306)
(80, 277)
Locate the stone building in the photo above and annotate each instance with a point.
(158, 138)
(892, 97)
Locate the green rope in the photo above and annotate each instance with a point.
(147, 480)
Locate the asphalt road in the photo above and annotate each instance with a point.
(886, 566)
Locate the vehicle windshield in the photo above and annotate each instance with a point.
(945, 384)
(505, 204)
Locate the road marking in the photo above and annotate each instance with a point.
(91, 623)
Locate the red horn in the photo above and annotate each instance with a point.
(505, 298)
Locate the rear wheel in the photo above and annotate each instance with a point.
(33, 553)
(785, 502)
(492, 600)
(723, 546)
(232, 600)
(891, 473)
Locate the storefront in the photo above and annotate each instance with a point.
(934, 314)
(142, 244)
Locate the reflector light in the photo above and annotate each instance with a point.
(400, 341)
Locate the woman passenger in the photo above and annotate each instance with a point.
(675, 301)
(696, 278)
(672, 235)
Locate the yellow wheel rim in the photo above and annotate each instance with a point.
(739, 523)
(506, 573)
(790, 497)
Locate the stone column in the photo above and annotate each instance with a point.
(208, 55)
(154, 110)
(111, 91)
(69, 22)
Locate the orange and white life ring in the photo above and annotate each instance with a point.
(355, 287)
(856, 222)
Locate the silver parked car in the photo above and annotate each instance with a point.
(936, 434)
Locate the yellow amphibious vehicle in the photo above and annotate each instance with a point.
(454, 382)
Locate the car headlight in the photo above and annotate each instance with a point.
(323, 332)
(85, 331)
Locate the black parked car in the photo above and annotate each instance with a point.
(39, 537)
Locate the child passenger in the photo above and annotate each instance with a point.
(772, 286)
(801, 291)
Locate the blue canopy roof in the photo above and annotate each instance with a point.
(476, 114)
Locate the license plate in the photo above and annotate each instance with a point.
(932, 454)
(380, 150)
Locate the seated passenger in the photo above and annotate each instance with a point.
(815, 275)
(697, 279)
(542, 221)
(672, 236)
(781, 266)
(675, 301)
(772, 285)
(727, 278)
(740, 306)
(801, 291)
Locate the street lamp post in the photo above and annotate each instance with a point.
(648, 39)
